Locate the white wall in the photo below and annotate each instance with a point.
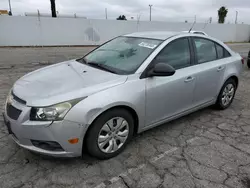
(33, 31)
(242, 33)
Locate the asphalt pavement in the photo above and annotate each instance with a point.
(208, 148)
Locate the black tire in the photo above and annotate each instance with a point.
(219, 104)
(93, 132)
(248, 60)
(248, 63)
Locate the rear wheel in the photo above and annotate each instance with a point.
(110, 133)
(226, 95)
(248, 63)
(248, 60)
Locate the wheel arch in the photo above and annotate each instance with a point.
(123, 106)
(234, 77)
(218, 103)
(126, 107)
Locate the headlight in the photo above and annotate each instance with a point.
(52, 113)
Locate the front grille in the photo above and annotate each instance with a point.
(13, 112)
(16, 98)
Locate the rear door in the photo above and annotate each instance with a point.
(210, 69)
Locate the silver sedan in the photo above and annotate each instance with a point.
(128, 85)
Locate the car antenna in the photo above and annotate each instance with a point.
(192, 26)
(205, 25)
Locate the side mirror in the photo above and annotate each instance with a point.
(161, 69)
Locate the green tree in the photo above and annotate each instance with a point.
(53, 8)
(222, 14)
(121, 17)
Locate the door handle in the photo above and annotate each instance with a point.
(189, 79)
(220, 68)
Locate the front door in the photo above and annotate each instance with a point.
(171, 95)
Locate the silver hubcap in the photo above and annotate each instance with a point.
(113, 135)
(227, 94)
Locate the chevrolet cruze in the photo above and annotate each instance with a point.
(128, 85)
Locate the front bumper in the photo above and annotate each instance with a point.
(23, 130)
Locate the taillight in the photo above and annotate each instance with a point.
(242, 61)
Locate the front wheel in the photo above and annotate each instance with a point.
(226, 95)
(110, 133)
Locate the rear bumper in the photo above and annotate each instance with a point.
(23, 132)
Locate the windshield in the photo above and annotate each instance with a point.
(123, 55)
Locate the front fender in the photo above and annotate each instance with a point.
(131, 94)
(94, 113)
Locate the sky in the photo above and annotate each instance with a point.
(162, 10)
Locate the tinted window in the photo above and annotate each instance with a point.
(205, 50)
(226, 53)
(123, 54)
(220, 51)
(176, 54)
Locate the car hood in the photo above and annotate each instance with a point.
(63, 82)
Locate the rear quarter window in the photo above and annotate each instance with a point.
(226, 53)
(221, 52)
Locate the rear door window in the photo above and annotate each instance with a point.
(205, 50)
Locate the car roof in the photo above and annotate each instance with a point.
(161, 35)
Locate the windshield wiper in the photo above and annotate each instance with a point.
(82, 60)
(102, 67)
